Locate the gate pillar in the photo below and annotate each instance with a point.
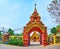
(26, 40)
(44, 39)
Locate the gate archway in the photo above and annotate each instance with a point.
(35, 24)
(35, 29)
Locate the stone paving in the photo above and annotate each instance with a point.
(4, 46)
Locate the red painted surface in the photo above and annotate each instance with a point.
(35, 29)
(26, 35)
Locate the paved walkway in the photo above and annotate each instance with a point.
(4, 46)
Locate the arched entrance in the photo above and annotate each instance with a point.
(34, 36)
(38, 30)
(35, 24)
(43, 37)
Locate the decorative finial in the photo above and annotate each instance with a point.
(35, 6)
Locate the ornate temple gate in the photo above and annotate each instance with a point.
(35, 24)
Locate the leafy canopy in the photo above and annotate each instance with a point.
(10, 31)
(0, 33)
(58, 27)
(53, 30)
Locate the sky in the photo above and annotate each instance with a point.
(15, 14)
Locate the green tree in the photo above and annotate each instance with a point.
(19, 34)
(54, 30)
(50, 34)
(20, 42)
(58, 27)
(0, 34)
(10, 31)
(16, 41)
(13, 41)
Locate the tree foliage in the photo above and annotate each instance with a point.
(16, 41)
(19, 34)
(58, 27)
(53, 30)
(20, 42)
(0, 34)
(54, 10)
(50, 35)
(13, 41)
(10, 31)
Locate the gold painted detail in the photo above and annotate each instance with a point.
(35, 24)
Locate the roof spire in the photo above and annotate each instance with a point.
(35, 7)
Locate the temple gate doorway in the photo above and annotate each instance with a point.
(35, 24)
(35, 39)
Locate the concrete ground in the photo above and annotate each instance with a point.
(32, 46)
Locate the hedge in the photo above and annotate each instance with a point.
(15, 41)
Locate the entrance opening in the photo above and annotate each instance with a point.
(35, 38)
(28, 33)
